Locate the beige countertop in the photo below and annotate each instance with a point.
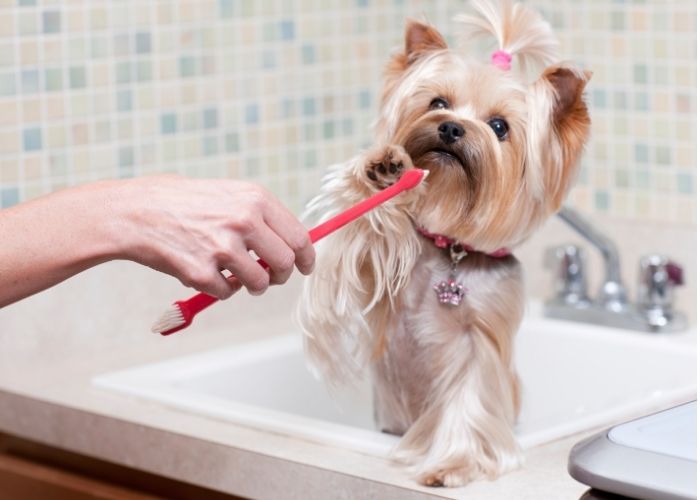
(51, 346)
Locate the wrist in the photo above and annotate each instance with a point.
(122, 230)
(103, 207)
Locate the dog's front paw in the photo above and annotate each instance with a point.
(460, 472)
(386, 166)
(451, 478)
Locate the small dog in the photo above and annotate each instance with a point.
(424, 289)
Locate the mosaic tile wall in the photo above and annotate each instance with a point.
(276, 90)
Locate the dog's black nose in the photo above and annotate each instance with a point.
(450, 132)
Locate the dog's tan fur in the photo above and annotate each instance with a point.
(444, 376)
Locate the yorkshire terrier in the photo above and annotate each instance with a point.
(424, 290)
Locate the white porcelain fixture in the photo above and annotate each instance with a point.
(574, 376)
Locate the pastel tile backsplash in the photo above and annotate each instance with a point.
(277, 90)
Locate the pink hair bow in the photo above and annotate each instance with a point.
(501, 59)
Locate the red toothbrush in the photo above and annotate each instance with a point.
(181, 313)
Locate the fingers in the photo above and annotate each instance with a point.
(293, 234)
(194, 228)
(246, 270)
(234, 285)
(275, 252)
(213, 283)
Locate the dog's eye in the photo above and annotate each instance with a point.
(439, 103)
(500, 127)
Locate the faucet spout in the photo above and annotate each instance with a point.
(612, 294)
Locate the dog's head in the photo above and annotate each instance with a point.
(502, 153)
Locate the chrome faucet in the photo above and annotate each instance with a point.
(659, 276)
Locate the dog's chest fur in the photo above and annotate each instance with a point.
(429, 343)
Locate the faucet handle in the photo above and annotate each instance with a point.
(568, 263)
(675, 273)
(658, 276)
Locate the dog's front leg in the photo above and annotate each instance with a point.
(348, 300)
(465, 431)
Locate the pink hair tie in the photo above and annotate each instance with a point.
(501, 59)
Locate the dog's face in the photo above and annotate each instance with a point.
(501, 153)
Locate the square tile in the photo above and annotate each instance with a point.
(28, 23)
(144, 71)
(210, 146)
(210, 118)
(641, 73)
(168, 123)
(126, 156)
(686, 183)
(308, 53)
(53, 79)
(77, 77)
(9, 196)
(51, 21)
(286, 28)
(143, 43)
(31, 139)
(641, 153)
(252, 114)
(123, 72)
(309, 106)
(602, 200)
(226, 8)
(187, 66)
(124, 100)
(232, 143)
(30, 81)
(7, 84)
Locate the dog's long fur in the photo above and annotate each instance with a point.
(444, 376)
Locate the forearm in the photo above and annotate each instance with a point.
(52, 238)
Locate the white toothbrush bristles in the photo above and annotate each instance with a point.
(172, 318)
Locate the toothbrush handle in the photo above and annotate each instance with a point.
(408, 180)
(196, 303)
(200, 301)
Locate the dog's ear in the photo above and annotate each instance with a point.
(568, 85)
(570, 124)
(420, 39)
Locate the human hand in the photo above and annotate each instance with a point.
(194, 229)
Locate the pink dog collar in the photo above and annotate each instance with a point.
(442, 241)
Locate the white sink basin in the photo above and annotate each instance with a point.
(575, 377)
